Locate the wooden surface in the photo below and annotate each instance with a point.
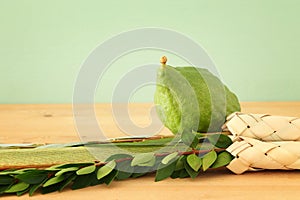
(55, 124)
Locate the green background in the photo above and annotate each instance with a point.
(254, 43)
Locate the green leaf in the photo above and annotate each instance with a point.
(125, 169)
(149, 163)
(164, 171)
(6, 180)
(209, 159)
(3, 188)
(94, 180)
(219, 140)
(143, 159)
(175, 174)
(69, 177)
(53, 181)
(20, 171)
(86, 170)
(106, 169)
(67, 181)
(191, 172)
(118, 157)
(123, 175)
(17, 187)
(158, 160)
(33, 177)
(20, 193)
(223, 159)
(190, 139)
(194, 161)
(34, 188)
(82, 181)
(51, 188)
(179, 164)
(110, 177)
(169, 157)
(70, 169)
(140, 171)
(64, 166)
(136, 175)
(7, 172)
(185, 174)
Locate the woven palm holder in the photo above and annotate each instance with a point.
(263, 127)
(262, 141)
(252, 154)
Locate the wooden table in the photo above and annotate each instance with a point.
(55, 124)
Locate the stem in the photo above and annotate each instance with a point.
(163, 61)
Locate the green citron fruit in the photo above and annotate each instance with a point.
(192, 99)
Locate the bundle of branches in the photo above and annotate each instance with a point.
(248, 142)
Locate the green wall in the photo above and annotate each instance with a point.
(254, 43)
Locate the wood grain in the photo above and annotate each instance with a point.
(54, 123)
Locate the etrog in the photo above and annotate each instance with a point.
(192, 99)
